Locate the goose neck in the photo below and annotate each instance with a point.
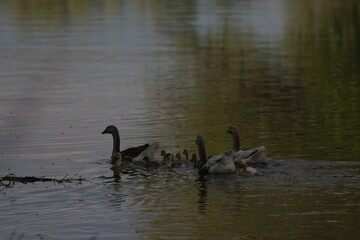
(116, 141)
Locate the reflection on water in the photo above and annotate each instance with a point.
(300, 198)
(202, 187)
(285, 72)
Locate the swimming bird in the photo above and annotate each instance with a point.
(117, 159)
(118, 162)
(180, 162)
(255, 155)
(177, 158)
(186, 153)
(127, 154)
(168, 160)
(245, 170)
(187, 162)
(222, 163)
(194, 160)
(177, 161)
(163, 154)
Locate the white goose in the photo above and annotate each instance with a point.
(222, 163)
(255, 155)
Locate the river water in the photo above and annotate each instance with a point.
(286, 72)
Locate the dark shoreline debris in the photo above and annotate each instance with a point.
(12, 179)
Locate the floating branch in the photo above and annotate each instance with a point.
(11, 178)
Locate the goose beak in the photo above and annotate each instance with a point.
(105, 131)
(228, 131)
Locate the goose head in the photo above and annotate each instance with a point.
(178, 157)
(186, 153)
(163, 153)
(245, 170)
(236, 137)
(231, 129)
(242, 164)
(169, 158)
(111, 129)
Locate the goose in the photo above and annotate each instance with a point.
(168, 160)
(188, 161)
(181, 162)
(127, 154)
(117, 159)
(177, 161)
(194, 160)
(245, 170)
(119, 163)
(222, 163)
(163, 153)
(186, 153)
(254, 156)
(165, 156)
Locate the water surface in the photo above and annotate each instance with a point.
(285, 72)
